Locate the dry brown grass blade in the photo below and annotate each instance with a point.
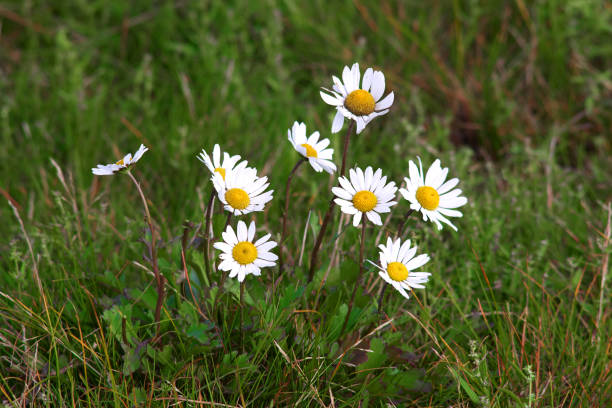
(300, 371)
(604, 266)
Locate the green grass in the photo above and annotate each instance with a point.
(514, 97)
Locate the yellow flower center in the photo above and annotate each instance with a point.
(221, 171)
(360, 102)
(237, 198)
(310, 151)
(364, 200)
(120, 162)
(244, 253)
(428, 197)
(397, 271)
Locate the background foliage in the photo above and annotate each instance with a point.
(515, 98)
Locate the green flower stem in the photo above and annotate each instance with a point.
(332, 204)
(159, 278)
(285, 213)
(350, 308)
(207, 236)
(400, 229)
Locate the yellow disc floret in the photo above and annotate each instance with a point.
(397, 271)
(120, 163)
(428, 197)
(364, 200)
(310, 151)
(237, 198)
(221, 171)
(360, 102)
(244, 253)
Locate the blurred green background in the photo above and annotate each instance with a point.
(84, 81)
(515, 96)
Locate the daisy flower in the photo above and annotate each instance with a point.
(126, 162)
(216, 166)
(312, 148)
(359, 104)
(241, 191)
(429, 194)
(396, 265)
(240, 255)
(366, 193)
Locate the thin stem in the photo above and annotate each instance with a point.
(211, 200)
(227, 221)
(241, 314)
(159, 279)
(346, 144)
(350, 308)
(400, 229)
(381, 298)
(286, 211)
(222, 275)
(332, 204)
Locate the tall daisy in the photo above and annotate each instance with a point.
(240, 255)
(361, 104)
(397, 261)
(215, 165)
(126, 162)
(242, 191)
(313, 149)
(366, 193)
(431, 195)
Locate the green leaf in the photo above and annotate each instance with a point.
(200, 332)
(376, 358)
(119, 320)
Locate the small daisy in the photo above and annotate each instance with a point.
(365, 193)
(429, 193)
(241, 256)
(359, 104)
(126, 162)
(312, 148)
(397, 263)
(215, 165)
(241, 191)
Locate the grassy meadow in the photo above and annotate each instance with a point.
(515, 97)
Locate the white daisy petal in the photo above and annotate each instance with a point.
(378, 85)
(347, 79)
(365, 192)
(452, 202)
(385, 103)
(367, 79)
(339, 86)
(240, 257)
(429, 194)
(251, 232)
(350, 105)
(417, 262)
(242, 231)
(338, 122)
(395, 270)
(126, 162)
(329, 99)
(374, 217)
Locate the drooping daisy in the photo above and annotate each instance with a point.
(241, 191)
(359, 104)
(241, 256)
(396, 265)
(429, 194)
(312, 148)
(215, 164)
(366, 193)
(126, 162)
